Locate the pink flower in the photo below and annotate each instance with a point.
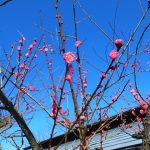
(62, 112)
(23, 38)
(130, 84)
(113, 54)
(78, 43)
(31, 46)
(82, 118)
(17, 74)
(118, 43)
(144, 105)
(22, 66)
(125, 64)
(19, 48)
(31, 88)
(69, 57)
(54, 109)
(21, 42)
(51, 48)
(142, 111)
(103, 76)
(133, 112)
(28, 53)
(69, 78)
(35, 56)
(70, 69)
(35, 42)
(44, 48)
(51, 61)
(85, 83)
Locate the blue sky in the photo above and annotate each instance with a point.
(20, 16)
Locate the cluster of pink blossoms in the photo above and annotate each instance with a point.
(23, 66)
(69, 73)
(21, 41)
(143, 105)
(114, 53)
(31, 46)
(70, 57)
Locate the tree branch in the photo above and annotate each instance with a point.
(19, 119)
(5, 2)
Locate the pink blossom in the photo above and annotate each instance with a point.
(142, 111)
(51, 48)
(35, 56)
(51, 61)
(62, 112)
(21, 42)
(103, 76)
(17, 74)
(138, 119)
(133, 92)
(28, 53)
(144, 105)
(137, 97)
(26, 68)
(23, 38)
(70, 69)
(130, 84)
(31, 88)
(22, 66)
(69, 78)
(69, 73)
(44, 48)
(125, 64)
(34, 43)
(69, 57)
(119, 43)
(78, 43)
(113, 54)
(31, 46)
(133, 112)
(82, 118)
(85, 83)
(54, 109)
(133, 66)
(19, 48)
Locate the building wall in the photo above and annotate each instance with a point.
(116, 138)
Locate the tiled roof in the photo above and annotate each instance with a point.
(115, 137)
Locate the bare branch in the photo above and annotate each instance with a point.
(5, 2)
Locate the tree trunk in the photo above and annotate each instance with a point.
(21, 122)
(146, 136)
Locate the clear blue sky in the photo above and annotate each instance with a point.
(22, 15)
